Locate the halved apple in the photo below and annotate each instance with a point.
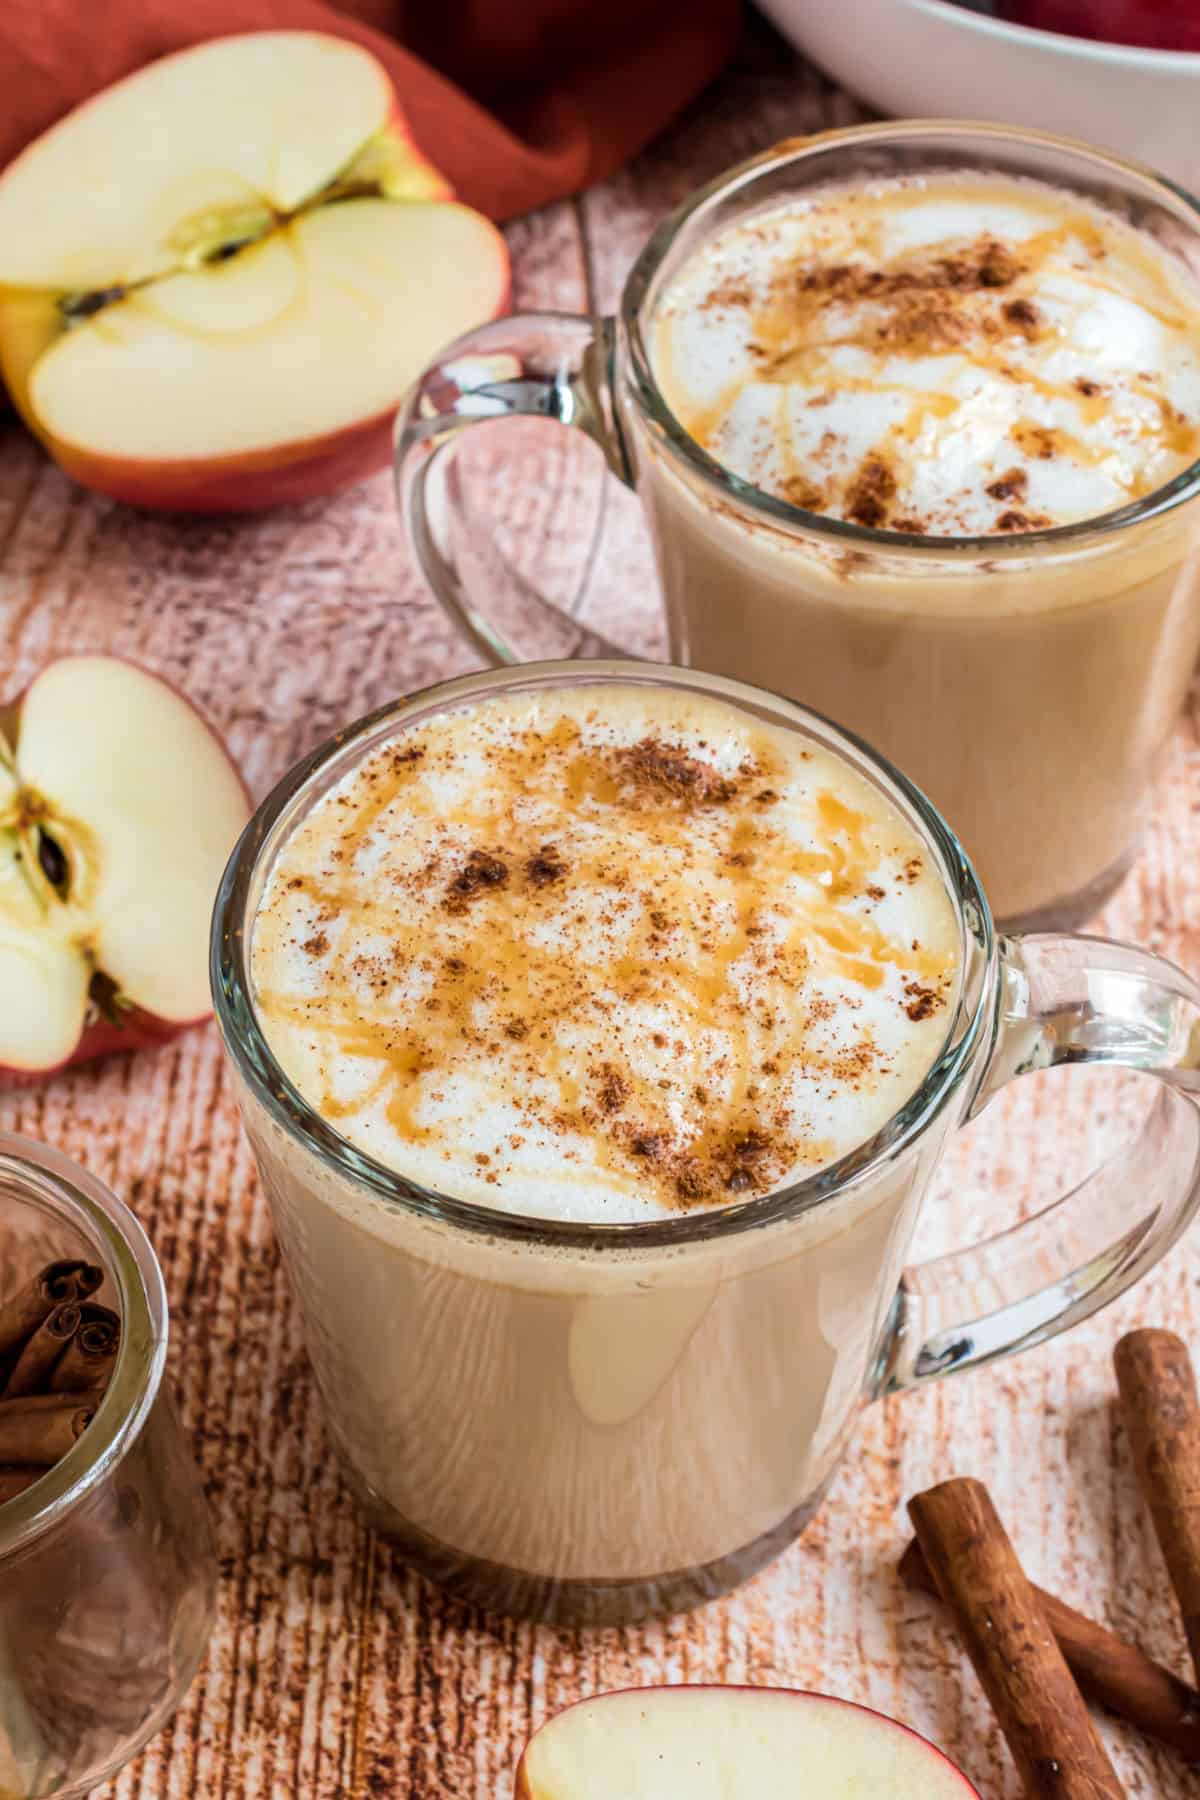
(118, 810)
(731, 1743)
(219, 276)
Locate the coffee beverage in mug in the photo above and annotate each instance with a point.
(914, 414)
(602, 955)
(597, 1030)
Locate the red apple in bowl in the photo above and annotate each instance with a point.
(1146, 24)
(118, 810)
(219, 276)
(730, 1743)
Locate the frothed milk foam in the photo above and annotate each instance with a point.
(604, 954)
(947, 356)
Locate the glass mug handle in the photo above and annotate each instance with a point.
(532, 365)
(1067, 1000)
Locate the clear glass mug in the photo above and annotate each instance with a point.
(107, 1567)
(1028, 683)
(592, 1422)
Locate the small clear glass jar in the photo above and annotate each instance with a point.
(107, 1566)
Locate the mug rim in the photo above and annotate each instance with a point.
(249, 1053)
(40, 1173)
(844, 533)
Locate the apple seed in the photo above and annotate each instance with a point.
(215, 235)
(53, 860)
(76, 307)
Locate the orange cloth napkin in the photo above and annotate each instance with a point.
(516, 101)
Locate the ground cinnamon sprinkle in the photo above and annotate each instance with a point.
(1022, 521)
(798, 490)
(986, 264)
(614, 1089)
(923, 322)
(1025, 316)
(746, 1161)
(729, 293)
(870, 491)
(664, 769)
(1040, 441)
(482, 872)
(1010, 486)
(998, 265)
(546, 867)
(921, 1002)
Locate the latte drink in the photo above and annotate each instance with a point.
(971, 361)
(590, 969)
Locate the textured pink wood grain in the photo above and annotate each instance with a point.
(333, 1673)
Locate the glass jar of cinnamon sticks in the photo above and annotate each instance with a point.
(107, 1568)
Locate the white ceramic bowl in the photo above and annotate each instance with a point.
(932, 59)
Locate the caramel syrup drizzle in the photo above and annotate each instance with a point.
(686, 891)
(791, 344)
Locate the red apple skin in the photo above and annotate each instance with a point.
(103, 1038)
(248, 483)
(138, 1028)
(523, 1790)
(1144, 24)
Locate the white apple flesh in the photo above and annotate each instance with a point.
(731, 1743)
(219, 277)
(118, 810)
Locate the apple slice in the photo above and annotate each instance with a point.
(730, 1743)
(219, 277)
(118, 810)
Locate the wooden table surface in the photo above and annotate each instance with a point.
(333, 1672)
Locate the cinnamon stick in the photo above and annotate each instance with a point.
(44, 1403)
(1162, 1417)
(1021, 1667)
(53, 1286)
(1109, 1671)
(14, 1482)
(42, 1353)
(35, 1437)
(89, 1358)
